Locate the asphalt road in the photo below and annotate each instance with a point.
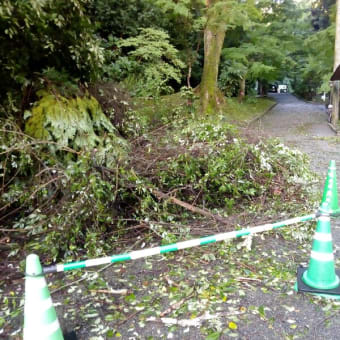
(304, 126)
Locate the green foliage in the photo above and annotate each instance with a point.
(321, 13)
(118, 18)
(185, 20)
(78, 123)
(310, 45)
(260, 51)
(62, 119)
(69, 182)
(228, 14)
(149, 114)
(71, 205)
(319, 64)
(156, 62)
(225, 169)
(60, 81)
(41, 34)
(62, 206)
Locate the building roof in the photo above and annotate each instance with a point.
(336, 74)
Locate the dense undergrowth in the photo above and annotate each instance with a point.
(64, 199)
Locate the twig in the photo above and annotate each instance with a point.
(66, 148)
(4, 185)
(129, 317)
(190, 207)
(44, 170)
(176, 305)
(15, 230)
(151, 132)
(196, 322)
(247, 279)
(106, 291)
(31, 196)
(17, 133)
(4, 174)
(326, 318)
(45, 184)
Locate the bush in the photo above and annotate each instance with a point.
(71, 205)
(42, 34)
(156, 62)
(215, 167)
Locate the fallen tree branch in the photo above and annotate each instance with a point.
(112, 291)
(204, 212)
(14, 230)
(196, 322)
(176, 305)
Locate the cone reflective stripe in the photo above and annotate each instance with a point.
(321, 271)
(40, 318)
(330, 203)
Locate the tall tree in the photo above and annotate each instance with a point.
(336, 87)
(214, 34)
(314, 48)
(259, 58)
(221, 16)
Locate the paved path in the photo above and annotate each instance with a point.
(304, 126)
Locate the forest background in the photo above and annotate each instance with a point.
(114, 112)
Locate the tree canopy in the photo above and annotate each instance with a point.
(88, 40)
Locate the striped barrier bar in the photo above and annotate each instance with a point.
(175, 246)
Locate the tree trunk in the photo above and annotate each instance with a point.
(214, 34)
(335, 88)
(242, 91)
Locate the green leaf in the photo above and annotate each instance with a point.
(262, 311)
(110, 333)
(27, 114)
(213, 336)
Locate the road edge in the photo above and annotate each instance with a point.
(262, 114)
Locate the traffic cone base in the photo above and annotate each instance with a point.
(316, 280)
(300, 286)
(321, 271)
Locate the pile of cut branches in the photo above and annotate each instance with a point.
(65, 203)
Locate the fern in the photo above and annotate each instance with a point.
(77, 122)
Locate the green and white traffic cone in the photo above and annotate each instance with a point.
(40, 318)
(320, 278)
(321, 270)
(330, 203)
